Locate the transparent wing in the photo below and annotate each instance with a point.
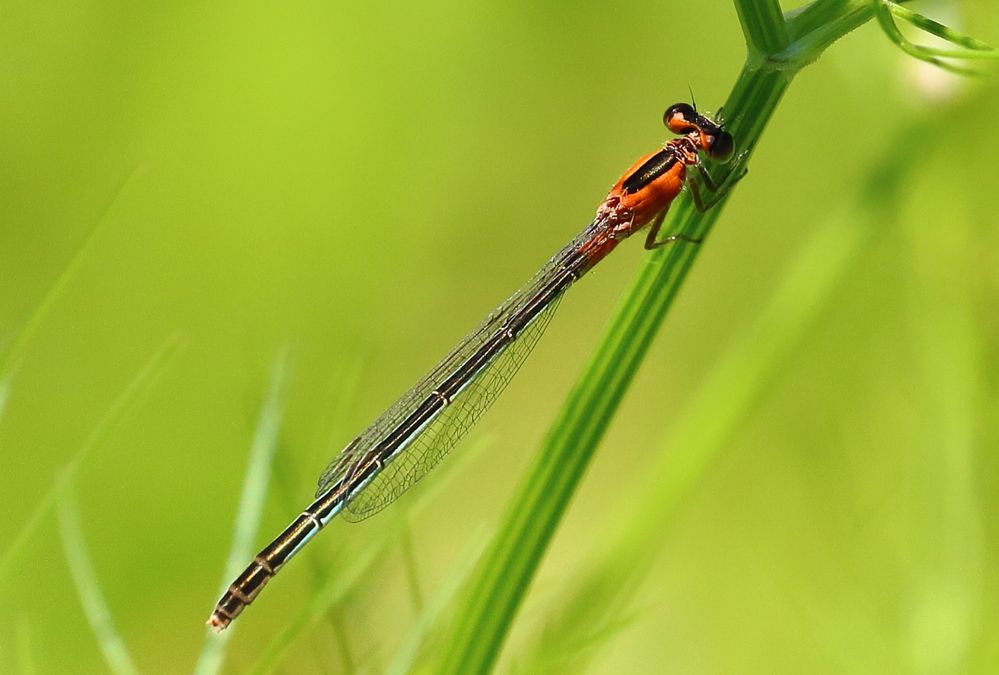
(430, 447)
(348, 458)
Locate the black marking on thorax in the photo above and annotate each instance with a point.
(654, 166)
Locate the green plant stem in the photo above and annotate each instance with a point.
(538, 507)
(814, 27)
(726, 397)
(763, 25)
(508, 566)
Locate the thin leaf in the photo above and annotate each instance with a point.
(4, 392)
(121, 406)
(10, 356)
(948, 588)
(111, 644)
(568, 656)
(250, 508)
(884, 11)
(412, 573)
(25, 655)
(330, 430)
(336, 588)
(405, 658)
(341, 582)
(976, 48)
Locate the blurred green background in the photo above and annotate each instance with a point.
(358, 185)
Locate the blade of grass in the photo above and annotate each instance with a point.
(946, 587)
(407, 655)
(25, 655)
(573, 656)
(344, 581)
(336, 588)
(4, 392)
(251, 506)
(338, 624)
(10, 357)
(121, 406)
(412, 574)
(84, 578)
(330, 429)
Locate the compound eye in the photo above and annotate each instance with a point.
(680, 118)
(722, 146)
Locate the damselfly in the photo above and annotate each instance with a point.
(413, 435)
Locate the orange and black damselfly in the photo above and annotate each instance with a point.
(413, 435)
